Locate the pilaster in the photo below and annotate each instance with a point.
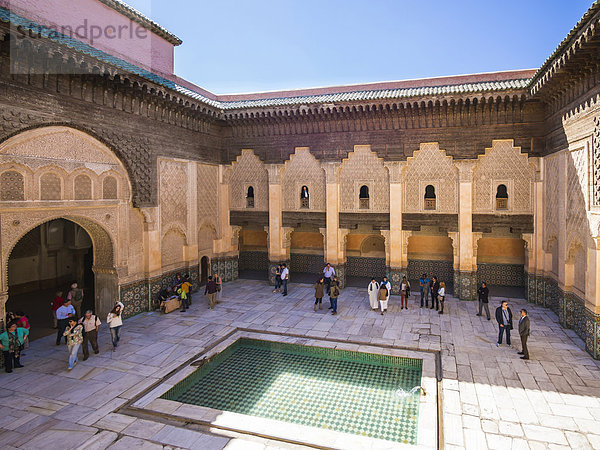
(332, 214)
(275, 241)
(151, 237)
(468, 271)
(396, 258)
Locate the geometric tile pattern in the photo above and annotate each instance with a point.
(357, 266)
(254, 261)
(443, 270)
(322, 388)
(305, 263)
(501, 274)
(12, 186)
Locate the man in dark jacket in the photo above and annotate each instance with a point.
(524, 333)
(211, 290)
(483, 293)
(435, 287)
(504, 319)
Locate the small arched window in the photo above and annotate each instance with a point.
(83, 187)
(429, 197)
(501, 197)
(109, 188)
(250, 197)
(363, 197)
(12, 186)
(304, 197)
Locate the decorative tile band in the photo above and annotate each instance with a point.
(501, 274)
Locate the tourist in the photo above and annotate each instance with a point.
(373, 290)
(442, 296)
(383, 295)
(285, 275)
(334, 293)
(10, 344)
(435, 287)
(74, 336)
(183, 298)
(54, 305)
(404, 293)
(524, 329)
(76, 297)
(277, 279)
(328, 274)
(187, 288)
(219, 284)
(482, 294)
(388, 286)
(505, 322)
(90, 323)
(115, 322)
(62, 315)
(424, 285)
(211, 290)
(23, 322)
(319, 288)
(178, 281)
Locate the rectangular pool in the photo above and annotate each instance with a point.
(344, 391)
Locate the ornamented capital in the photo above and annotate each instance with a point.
(235, 235)
(395, 170)
(274, 171)
(331, 171)
(465, 169)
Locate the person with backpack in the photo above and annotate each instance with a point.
(90, 323)
(383, 296)
(334, 293)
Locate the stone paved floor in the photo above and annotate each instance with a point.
(491, 398)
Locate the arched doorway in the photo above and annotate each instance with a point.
(306, 254)
(501, 265)
(254, 255)
(204, 269)
(47, 259)
(365, 258)
(431, 254)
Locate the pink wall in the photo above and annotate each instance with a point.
(106, 30)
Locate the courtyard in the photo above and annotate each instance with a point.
(488, 397)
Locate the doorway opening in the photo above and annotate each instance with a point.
(46, 260)
(204, 268)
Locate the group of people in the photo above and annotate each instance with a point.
(282, 275)
(180, 290)
(81, 331)
(434, 289)
(330, 285)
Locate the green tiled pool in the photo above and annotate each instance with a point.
(339, 390)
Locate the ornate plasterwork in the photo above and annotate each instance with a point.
(172, 247)
(503, 164)
(577, 192)
(248, 170)
(303, 169)
(12, 186)
(430, 166)
(208, 199)
(551, 194)
(363, 167)
(173, 193)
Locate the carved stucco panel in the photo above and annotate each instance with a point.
(173, 193)
(248, 170)
(503, 164)
(303, 169)
(208, 200)
(430, 166)
(363, 167)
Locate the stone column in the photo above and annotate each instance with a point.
(275, 233)
(190, 251)
(592, 300)
(535, 279)
(332, 251)
(467, 278)
(340, 268)
(530, 263)
(225, 246)
(397, 260)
